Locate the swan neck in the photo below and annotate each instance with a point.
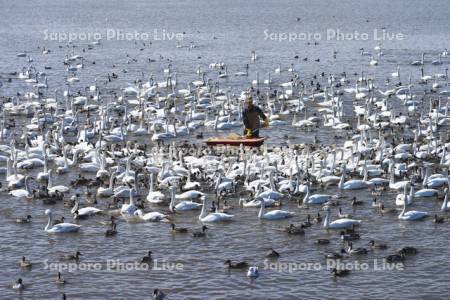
(49, 222)
(262, 209)
(341, 181)
(202, 212)
(404, 209)
(172, 200)
(131, 197)
(151, 183)
(444, 205)
(111, 181)
(326, 222)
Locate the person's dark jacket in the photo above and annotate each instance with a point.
(251, 117)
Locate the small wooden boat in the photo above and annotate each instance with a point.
(233, 141)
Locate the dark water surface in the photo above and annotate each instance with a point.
(238, 28)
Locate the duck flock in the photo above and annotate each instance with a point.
(135, 154)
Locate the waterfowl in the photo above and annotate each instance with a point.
(334, 255)
(72, 256)
(394, 258)
(22, 193)
(412, 215)
(356, 251)
(253, 272)
(404, 198)
(59, 279)
(318, 219)
(61, 227)
(387, 210)
(213, 217)
(129, 209)
(82, 213)
(27, 219)
(158, 294)
(18, 285)
(438, 219)
(112, 231)
(407, 250)
(154, 196)
(354, 184)
(58, 221)
(377, 245)
(426, 193)
(274, 214)
(396, 185)
(315, 199)
(52, 190)
(341, 215)
(257, 202)
(107, 191)
(272, 253)
(236, 265)
(200, 233)
(153, 216)
(339, 223)
(148, 259)
(292, 229)
(349, 236)
(307, 223)
(24, 263)
(322, 241)
(340, 272)
(356, 202)
(183, 205)
(177, 229)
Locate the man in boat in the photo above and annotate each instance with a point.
(251, 117)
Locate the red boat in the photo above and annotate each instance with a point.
(248, 142)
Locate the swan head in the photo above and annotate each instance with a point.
(48, 212)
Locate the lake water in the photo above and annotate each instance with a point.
(222, 31)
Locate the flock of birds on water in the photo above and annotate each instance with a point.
(132, 150)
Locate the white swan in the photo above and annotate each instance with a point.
(113, 138)
(107, 191)
(85, 211)
(396, 185)
(58, 188)
(155, 197)
(153, 216)
(61, 227)
(404, 197)
(412, 215)
(213, 217)
(22, 193)
(426, 193)
(273, 214)
(257, 202)
(339, 223)
(354, 184)
(192, 194)
(182, 206)
(315, 199)
(128, 209)
(271, 193)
